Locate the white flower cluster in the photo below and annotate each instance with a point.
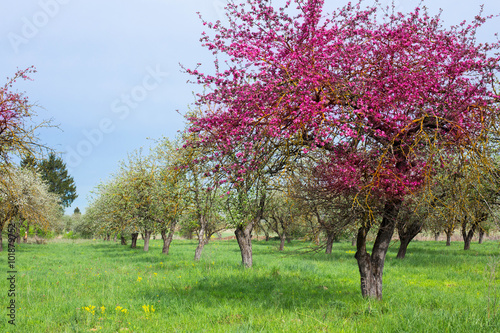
(24, 195)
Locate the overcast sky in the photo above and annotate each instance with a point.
(109, 74)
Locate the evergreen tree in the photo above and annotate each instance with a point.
(53, 171)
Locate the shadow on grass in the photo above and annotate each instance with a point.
(252, 289)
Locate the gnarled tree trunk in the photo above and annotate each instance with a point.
(450, 228)
(282, 242)
(481, 235)
(199, 249)
(243, 235)
(146, 236)
(330, 238)
(134, 240)
(371, 267)
(406, 234)
(167, 237)
(203, 238)
(468, 235)
(448, 238)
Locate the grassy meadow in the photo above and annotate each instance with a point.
(97, 286)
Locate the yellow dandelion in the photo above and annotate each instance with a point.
(139, 279)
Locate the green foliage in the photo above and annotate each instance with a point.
(44, 233)
(435, 289)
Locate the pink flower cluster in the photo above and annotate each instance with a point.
(13, 106)
(387, 89)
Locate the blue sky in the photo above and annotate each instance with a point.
(109, 74)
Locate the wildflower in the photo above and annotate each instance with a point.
(148, 309)
(139, 279)
(90, 309)
(103, 309)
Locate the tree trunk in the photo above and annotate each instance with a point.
(467, 236)
(403, 246)
(371, 266)
(406, 234)
(123, 240)
(115, 237)
(282, 242)
(202, 238)
(167, 237)
(481, 236)
(448, 238)
(244, 238)
(134, 240)
(146, 236)
(353, 241)
(330, 237)
(436, 236)
(199, 249)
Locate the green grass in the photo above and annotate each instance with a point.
(435, 289)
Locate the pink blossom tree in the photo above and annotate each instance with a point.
(382, 95)
(17, 129)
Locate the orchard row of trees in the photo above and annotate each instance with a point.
(34, 194)
(170, 190)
